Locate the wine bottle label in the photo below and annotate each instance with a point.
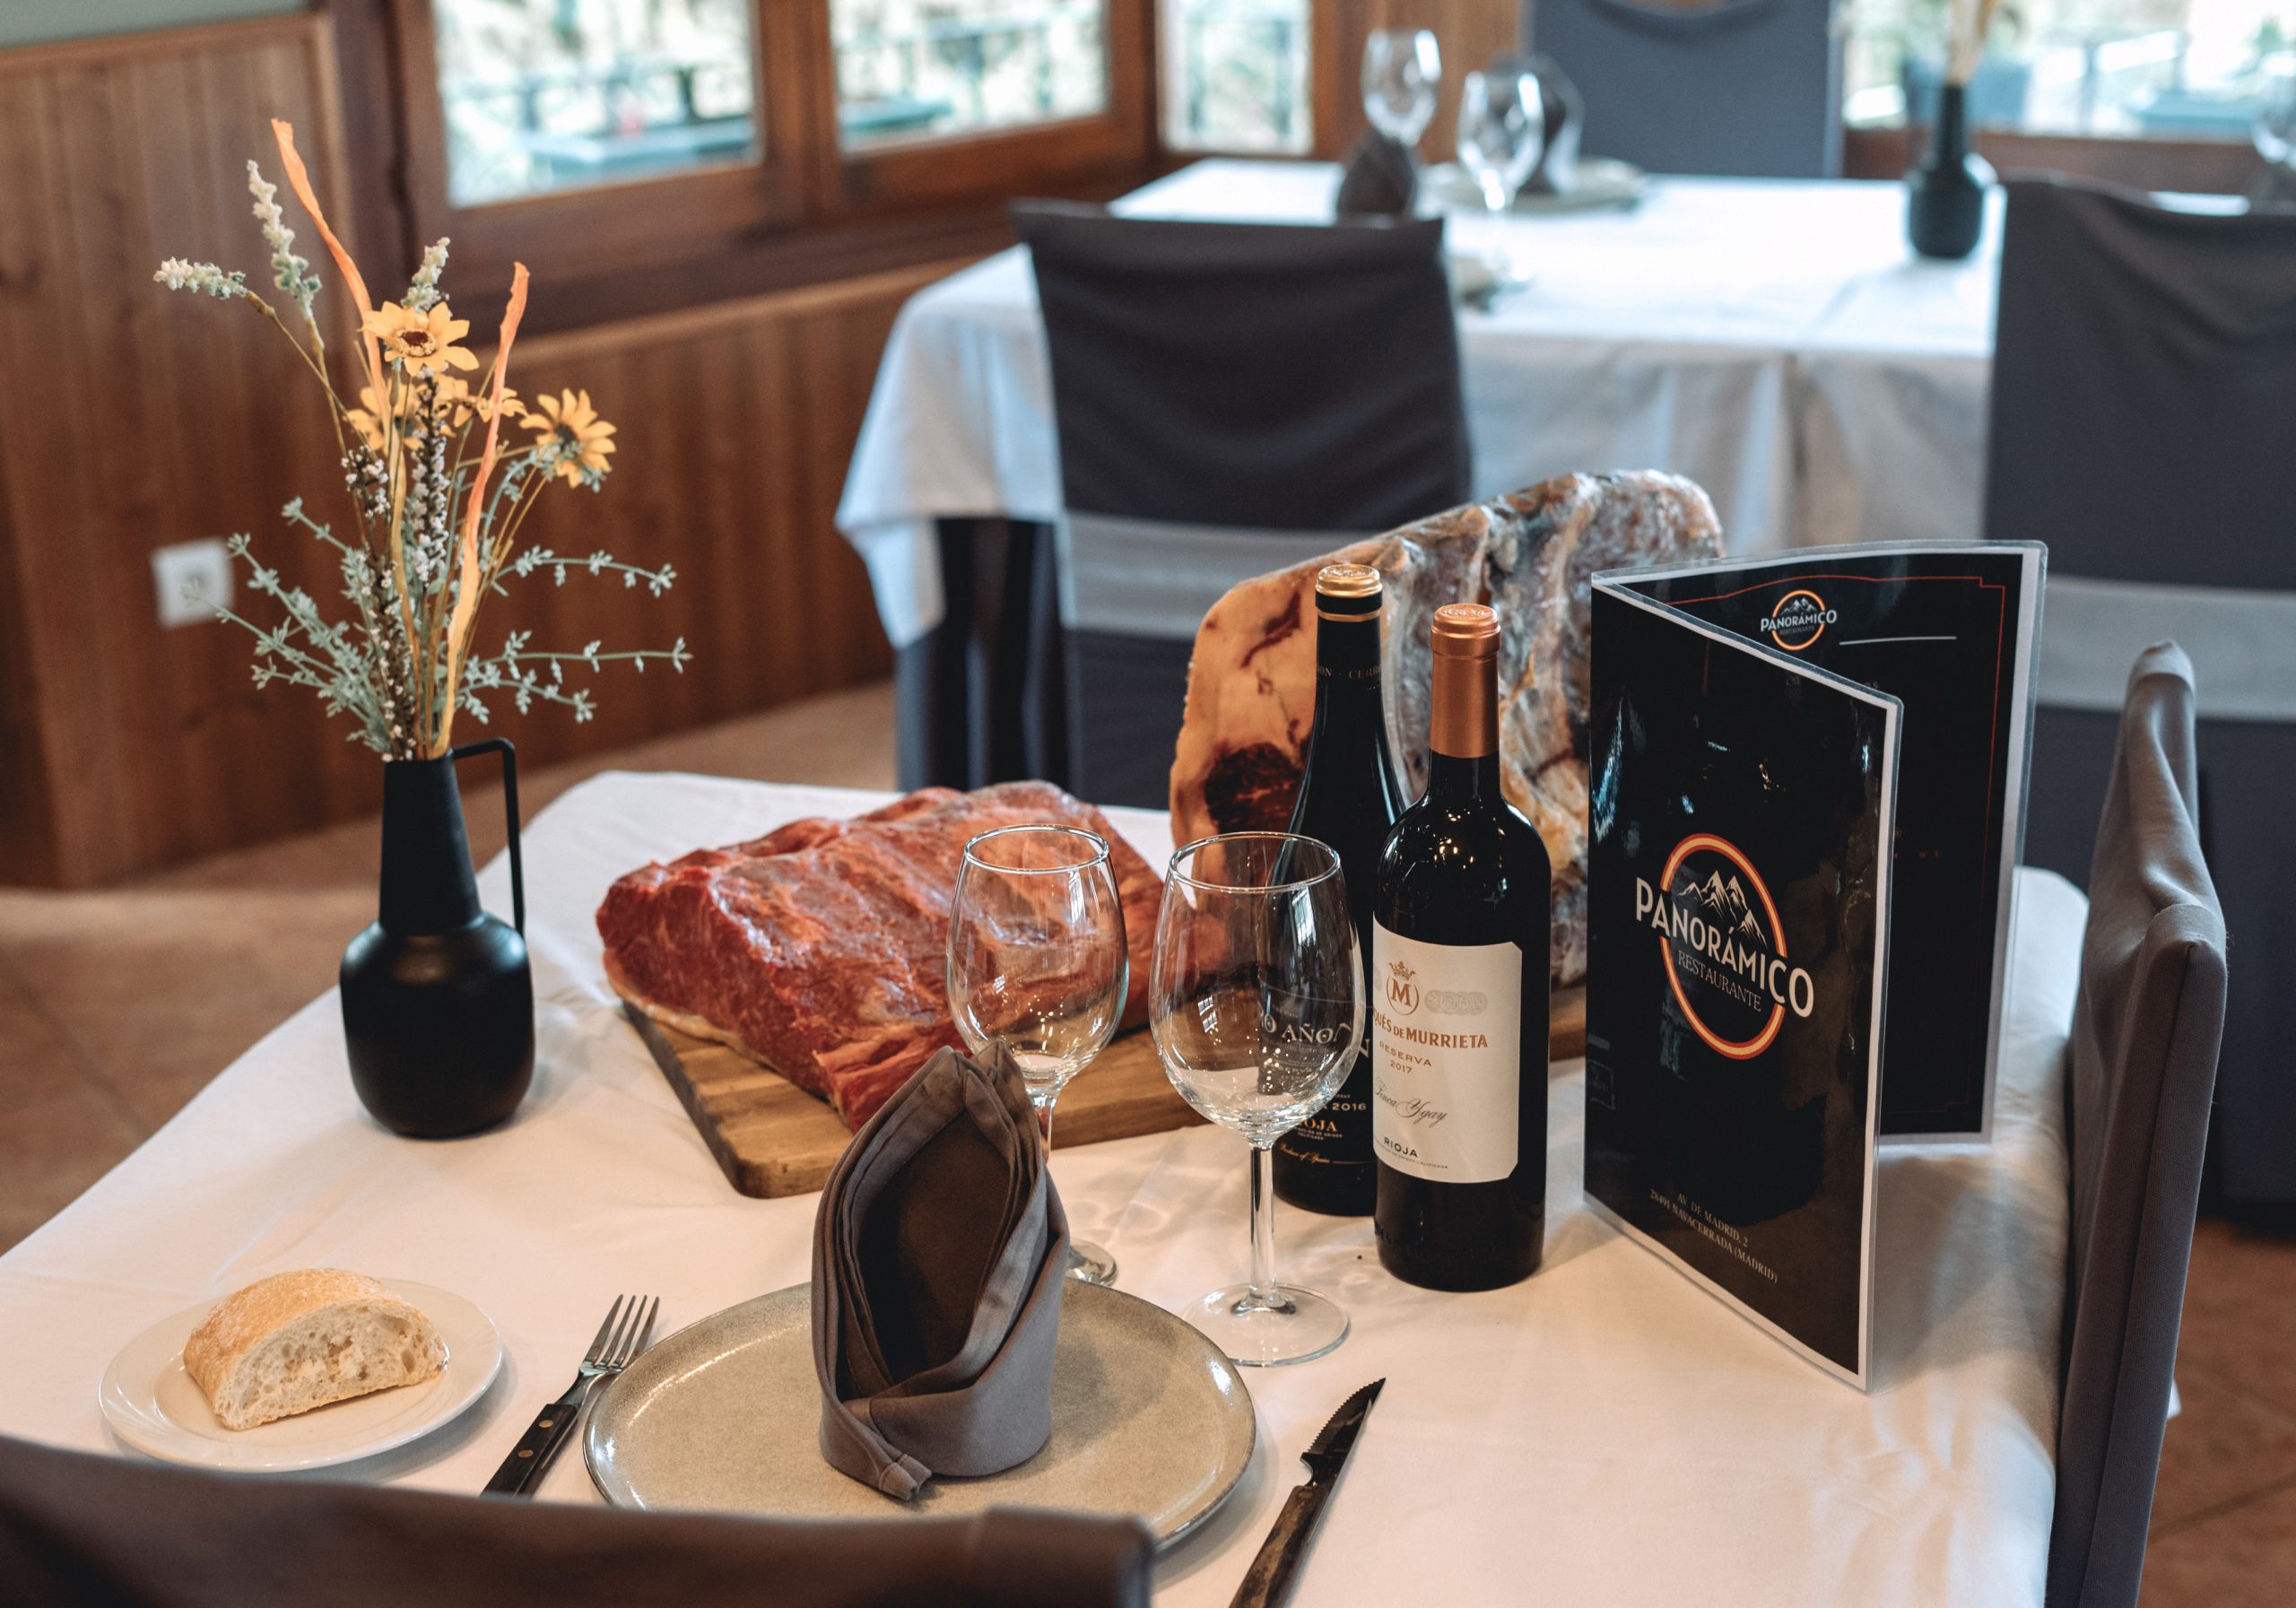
(1447, 1069)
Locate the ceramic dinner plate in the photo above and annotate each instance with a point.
(1599, 182)
(153, 1404)
(1148, 1420)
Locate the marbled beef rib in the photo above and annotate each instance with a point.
(1251, 679)
(819, 949)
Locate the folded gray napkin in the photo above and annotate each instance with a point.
(1380, 178)
(939, 1258)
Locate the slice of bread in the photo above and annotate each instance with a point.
(296, 1341)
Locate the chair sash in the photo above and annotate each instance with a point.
(1158, 578)
(2242, 645)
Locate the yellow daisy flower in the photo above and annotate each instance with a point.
(568, 420)
(455, 394)
(367, 418)
(423, 342)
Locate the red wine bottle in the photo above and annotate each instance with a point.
(1457, 1013)
(1349, 796)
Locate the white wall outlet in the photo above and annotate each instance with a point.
(193, 578)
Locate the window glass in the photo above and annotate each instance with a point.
(1235, 75)
(2179, 69)
(543, 95)
(908, 69)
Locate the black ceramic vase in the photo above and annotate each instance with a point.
(1944, 208)
(437, 1001)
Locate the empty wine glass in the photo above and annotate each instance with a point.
(1037, 965)
(1502, 134)
(1402, 70)
(1257, 1006)
(2274, 130)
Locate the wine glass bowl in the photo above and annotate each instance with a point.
(1502, 135)
(1256, 1004)
(1037, 965)
(1403, 68)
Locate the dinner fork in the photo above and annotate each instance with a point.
(628, 1330)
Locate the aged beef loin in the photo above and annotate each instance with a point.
(819, 949)
(1251, 689)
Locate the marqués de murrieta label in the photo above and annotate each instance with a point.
(1447, 1070)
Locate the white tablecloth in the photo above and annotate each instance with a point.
(1602, 1433)
(1774, 341)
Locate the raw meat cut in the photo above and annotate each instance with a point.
(1251, 688)
(819, 949)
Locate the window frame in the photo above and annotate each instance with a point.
(684, 213)
(802, 181)
(1121, 138)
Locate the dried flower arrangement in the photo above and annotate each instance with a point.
(440, 496)
(1968, 23)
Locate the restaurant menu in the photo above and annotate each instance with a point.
(1772, 894)
(1952, 632)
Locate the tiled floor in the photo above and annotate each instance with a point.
(221, 950)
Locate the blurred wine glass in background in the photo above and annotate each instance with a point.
(1038, 966)
(1502, 135)
(2275, 131)
(1403, 68)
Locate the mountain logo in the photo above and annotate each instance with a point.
(1796, 620)
(1724, 947)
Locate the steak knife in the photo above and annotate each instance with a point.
(1270, 1575)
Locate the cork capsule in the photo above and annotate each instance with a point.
(1347, 591)
(1463, 721)
(1466, 631)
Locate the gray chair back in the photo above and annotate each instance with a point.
(77, 1530)
(1231, 398)
(2139, 1075)
(1751, 88)
(2143, 425)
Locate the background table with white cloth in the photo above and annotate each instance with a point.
(1604, 1430)
(1776, 341)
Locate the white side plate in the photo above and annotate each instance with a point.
(153, 1404)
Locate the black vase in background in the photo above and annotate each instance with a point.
(1944, 209)
(437, 1001)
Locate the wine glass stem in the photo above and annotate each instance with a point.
(1044, 1128)
(1263, 1290)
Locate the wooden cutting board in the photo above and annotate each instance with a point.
(771, 1138)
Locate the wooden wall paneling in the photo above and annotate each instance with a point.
(132, 418)
(2204, 166)
(735, 424)
(26, 828)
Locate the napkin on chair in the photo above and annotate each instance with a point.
(939, 1258)
(1380, 177)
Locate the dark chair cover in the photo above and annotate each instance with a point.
(1742, 87)
(2143, 425)
(84, 1532)
(1228, 396)
(2138, 1078)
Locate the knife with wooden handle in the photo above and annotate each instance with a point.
(1269, 1578)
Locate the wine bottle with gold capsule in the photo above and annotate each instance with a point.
(1349, 796)
(1458, 1012)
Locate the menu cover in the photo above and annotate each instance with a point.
(1739, 875)
(1951, 631)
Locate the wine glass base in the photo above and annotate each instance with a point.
(1254, 1334)
(1091, 1263)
